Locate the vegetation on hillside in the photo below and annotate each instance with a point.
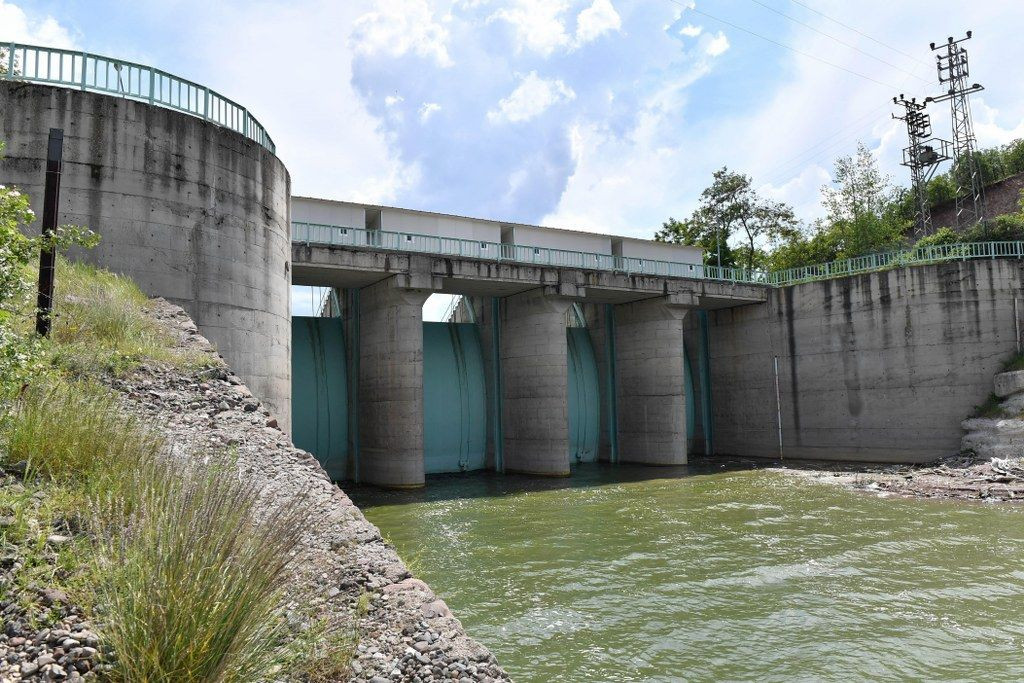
(864, 214)
(177, 574)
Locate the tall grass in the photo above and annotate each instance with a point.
(101, 323)
(73, 432)
(193, 578)
(187, 567)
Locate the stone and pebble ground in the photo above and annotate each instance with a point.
(989, 467)
(345, 572)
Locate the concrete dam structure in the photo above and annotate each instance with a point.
(566, 347)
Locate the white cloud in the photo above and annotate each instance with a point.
(537, 24)
(16, 26)
(988, 129)
(392, 100)
(334, 147)
(717, 45)
(691, 31)
(596, 20)
(530, 99)
(398, 27)
(428, 109)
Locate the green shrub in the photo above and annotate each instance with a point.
(940, 236)
(1006, 228)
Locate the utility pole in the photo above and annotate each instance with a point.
(953, 71)
(922, 157)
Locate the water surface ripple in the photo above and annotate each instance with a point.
(721, 575)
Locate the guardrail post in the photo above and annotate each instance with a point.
(85, 66)
(152, 86)
(206, 104)
(10, 62)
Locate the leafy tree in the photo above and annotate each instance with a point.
(699, 233)
(863, 207)
(731, 206)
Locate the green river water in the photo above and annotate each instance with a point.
(716, 575)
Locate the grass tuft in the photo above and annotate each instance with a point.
(992, 408)
(72, 432)
(193, 577)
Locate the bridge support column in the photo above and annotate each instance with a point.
(535, 383)
(651, 398)
(391, 384)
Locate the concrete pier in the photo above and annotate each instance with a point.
(391, 384)
(651, 399)
(535, 382)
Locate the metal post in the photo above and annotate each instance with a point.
(10, 61)
(85, 67)
(778, 405)
(48, 252)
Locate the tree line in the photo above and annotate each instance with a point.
(865, 213)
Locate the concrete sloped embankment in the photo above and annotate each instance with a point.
(404, 631)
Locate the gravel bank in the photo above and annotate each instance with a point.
(344, 574)
(959, 477)
(405, 632)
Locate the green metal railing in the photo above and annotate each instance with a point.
(912, 256)
(95, 73)
(316, 233)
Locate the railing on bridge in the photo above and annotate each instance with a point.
(95, 73)
(314, 233)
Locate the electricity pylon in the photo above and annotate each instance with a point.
(953, 71)
(922, 156)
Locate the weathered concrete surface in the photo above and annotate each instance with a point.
(650, 382)
(391, 384)
(189, 210)
(346, 266)
(535, 383)
(876, 367)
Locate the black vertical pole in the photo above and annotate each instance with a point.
(48, 254)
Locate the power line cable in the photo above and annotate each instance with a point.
(861, 33)
(838, 40)
(783, 45)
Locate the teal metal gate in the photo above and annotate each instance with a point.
(584, 397)
(320, 392)
(454, 398)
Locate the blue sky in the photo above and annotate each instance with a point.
(604, 115)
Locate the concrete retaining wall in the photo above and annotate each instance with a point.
(877, 367)
(191, 211)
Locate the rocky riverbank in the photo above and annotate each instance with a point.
(960, 477)
(346, 571)
(346, 580)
